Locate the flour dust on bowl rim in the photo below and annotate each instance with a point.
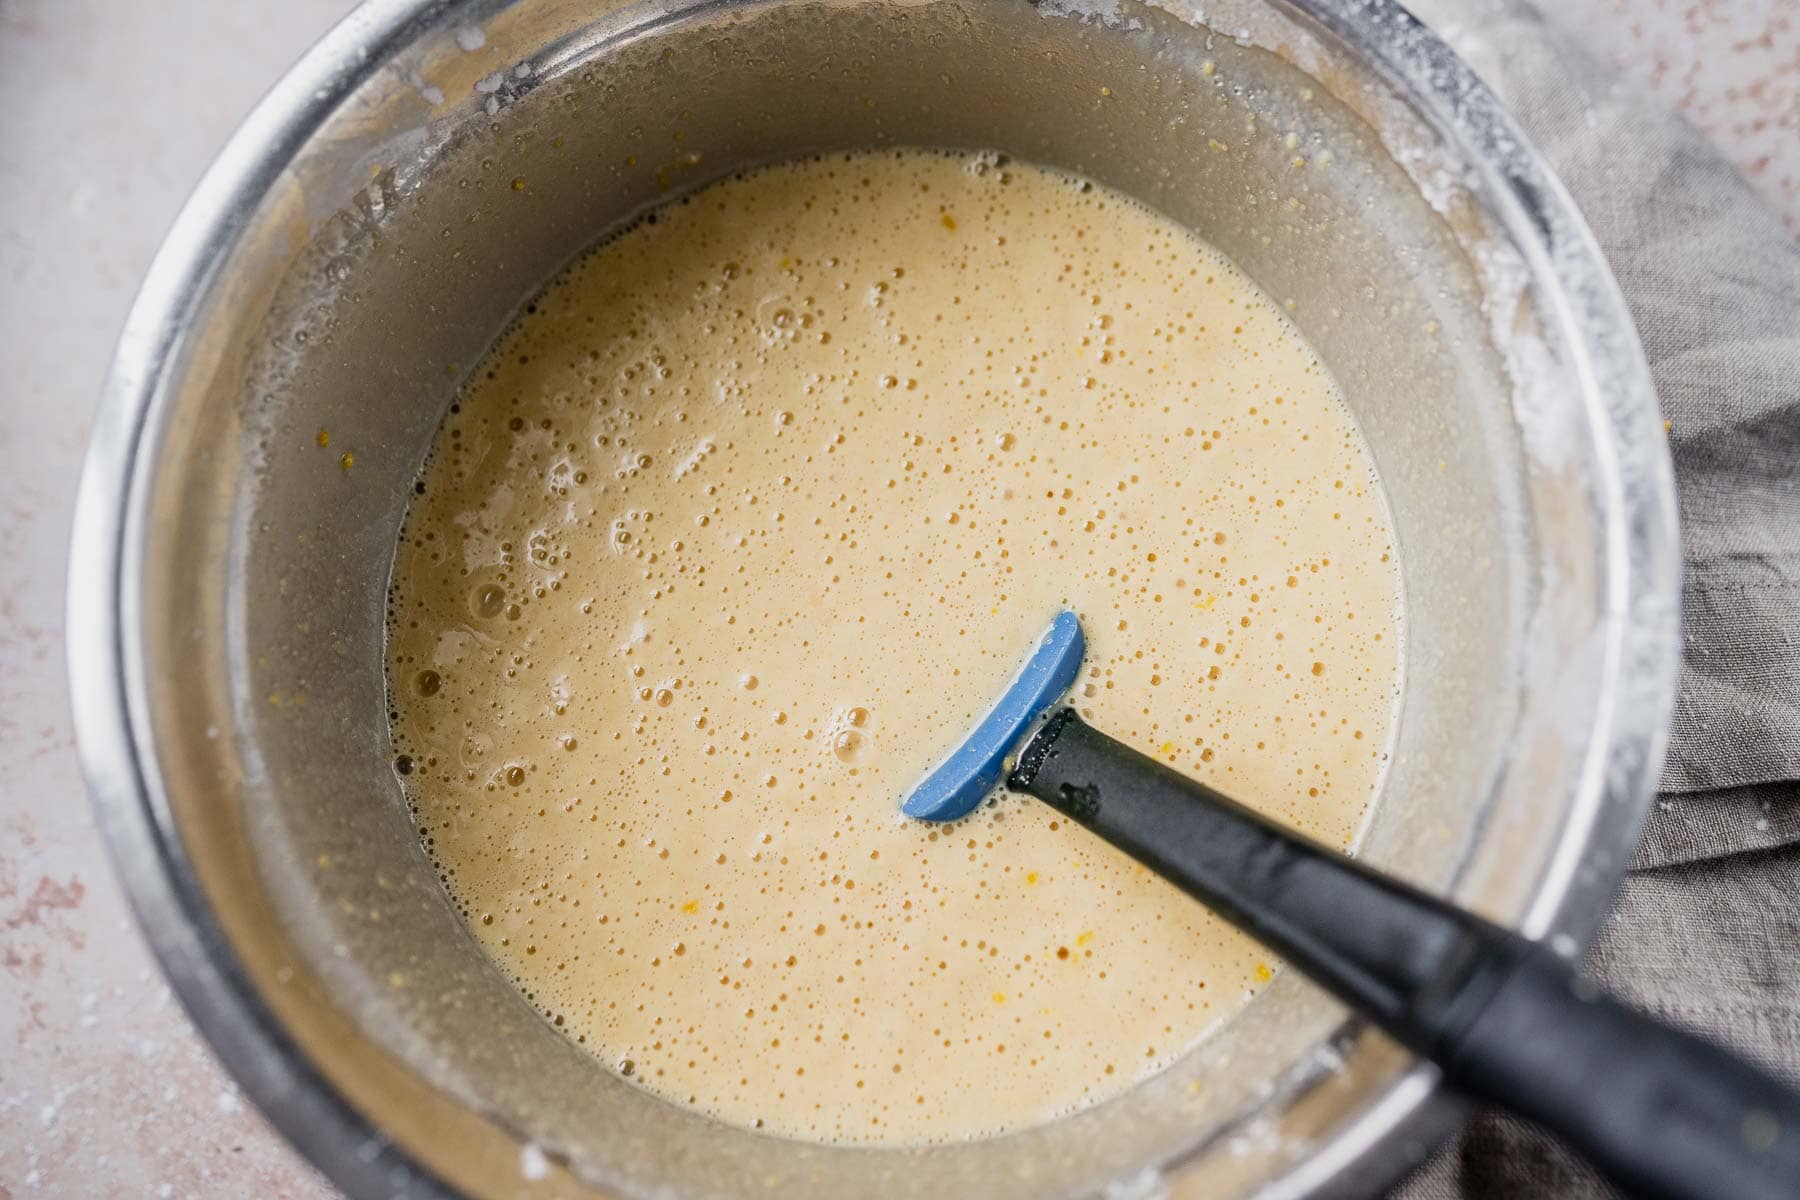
(360, 242)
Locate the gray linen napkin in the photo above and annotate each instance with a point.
(1706, 930)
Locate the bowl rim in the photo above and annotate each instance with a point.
(112, 723)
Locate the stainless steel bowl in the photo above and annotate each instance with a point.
(359, 243)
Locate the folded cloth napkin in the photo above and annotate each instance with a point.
(1705, 932)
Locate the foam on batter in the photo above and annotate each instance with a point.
(743, 525)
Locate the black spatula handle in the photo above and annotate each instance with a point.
(1663, 1113)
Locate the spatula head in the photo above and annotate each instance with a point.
(973, 770)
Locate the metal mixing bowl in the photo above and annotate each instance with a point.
(360, 242)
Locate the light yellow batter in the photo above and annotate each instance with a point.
(742, 527)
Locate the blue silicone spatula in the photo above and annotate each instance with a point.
(1665, 1114)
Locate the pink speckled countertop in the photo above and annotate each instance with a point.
(113, 109)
